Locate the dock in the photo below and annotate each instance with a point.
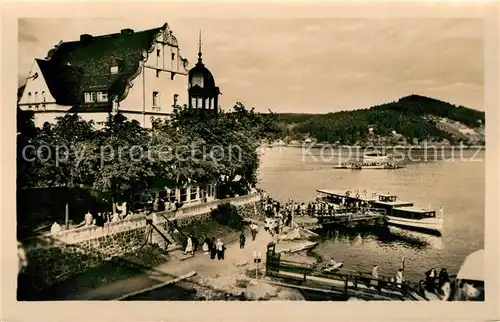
(338, 285)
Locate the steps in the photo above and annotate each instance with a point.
(158, 237)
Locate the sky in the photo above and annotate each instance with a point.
(305, 65)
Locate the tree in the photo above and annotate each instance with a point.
(59, 155)
(123, 165)
(223, 146)
(26, 134)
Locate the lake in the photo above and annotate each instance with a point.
(456, 185)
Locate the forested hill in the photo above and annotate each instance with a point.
(404, 121)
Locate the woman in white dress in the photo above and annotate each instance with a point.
(205, 248)
(189, 246)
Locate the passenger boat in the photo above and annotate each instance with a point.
(372, 166)
(399, 213)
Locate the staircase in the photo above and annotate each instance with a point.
(161, 228)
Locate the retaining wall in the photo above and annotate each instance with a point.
(54, 258)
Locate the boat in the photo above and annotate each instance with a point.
(398, 213)
(332, 268)
(372, 166)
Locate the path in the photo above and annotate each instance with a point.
(202, 264)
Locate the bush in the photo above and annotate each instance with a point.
(227, 215)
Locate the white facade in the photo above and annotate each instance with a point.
(189, 195)
(161, 83)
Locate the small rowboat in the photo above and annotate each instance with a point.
(333, 267)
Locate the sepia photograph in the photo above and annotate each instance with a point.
(251, 158)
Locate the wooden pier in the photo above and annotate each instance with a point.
(339, 285)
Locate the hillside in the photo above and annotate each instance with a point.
(405, 121)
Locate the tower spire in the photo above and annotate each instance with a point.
(199, 48)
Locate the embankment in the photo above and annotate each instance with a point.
(55, 260)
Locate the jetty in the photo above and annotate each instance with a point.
(341, 284)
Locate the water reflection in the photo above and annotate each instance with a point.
(383, 236)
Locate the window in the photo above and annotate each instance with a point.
(172, 195)
(43, 96)
(114, 69)
(209, 190)
(176, 98)
(156, 99)
(29, 97)
(163, 195)
(172, 76)
(102, 96)
(183, 195)
(90, 97)
(194, 193)
(36, 97)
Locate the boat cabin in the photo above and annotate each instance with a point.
(343, 196)
(413, 213)
(387, 198)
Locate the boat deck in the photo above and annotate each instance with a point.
(397, 203)
(367, 196)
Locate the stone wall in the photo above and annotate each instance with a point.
(54, 258)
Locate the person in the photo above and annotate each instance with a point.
(242, 240)
(22, 258)
(156, 205)
(195, 242)
(220, 249)
(443, 277)
(375, 276)
(99, 220)
(399, 277)
(115, 218)
(88, 218)
(55, 229)
(253, 230)
(430, 279)
(205, 248)
(213, 248)
(161, 205)
(189, 246)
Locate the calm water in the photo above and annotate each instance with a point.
(457, 186)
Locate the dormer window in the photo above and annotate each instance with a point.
(102, 96)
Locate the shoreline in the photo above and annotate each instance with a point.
(382, 147)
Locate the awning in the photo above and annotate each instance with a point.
(473, 267)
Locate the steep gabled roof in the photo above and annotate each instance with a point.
(64, 82)
(78, 66)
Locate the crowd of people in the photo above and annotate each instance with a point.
(435, 281)
(215, 248)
